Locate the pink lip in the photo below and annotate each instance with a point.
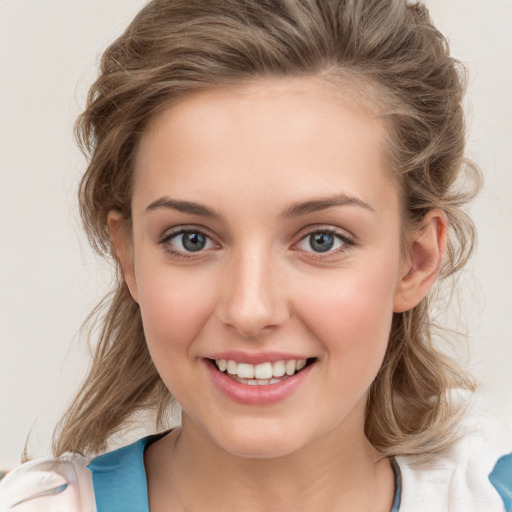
(256, 395)
(256, 358)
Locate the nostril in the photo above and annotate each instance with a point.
(252, 331)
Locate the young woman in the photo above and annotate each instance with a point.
(280, 185)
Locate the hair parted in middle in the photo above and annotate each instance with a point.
(390, 52)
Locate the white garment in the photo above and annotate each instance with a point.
(458, 479)
(49, 485)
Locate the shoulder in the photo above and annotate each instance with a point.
(473, 475)
(115, 480)
(56, 484)
(119, 477)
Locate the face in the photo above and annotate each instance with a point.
(266, 241)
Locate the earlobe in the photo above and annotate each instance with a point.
(122, 246)
(426, 250)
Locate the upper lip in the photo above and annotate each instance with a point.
(256, 357)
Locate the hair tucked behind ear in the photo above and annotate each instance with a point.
(176, 47)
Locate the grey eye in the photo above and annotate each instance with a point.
(193, 241)
(321, 242)
(187, 241)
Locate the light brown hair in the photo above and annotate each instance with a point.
(177, 47)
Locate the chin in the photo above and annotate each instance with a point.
(259, 450)
(259, 441)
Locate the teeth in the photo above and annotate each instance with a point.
(278, 369)
(291, 366)
(245, 371)
(232, 367)
(264, 373)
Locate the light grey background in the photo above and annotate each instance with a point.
(49, 279)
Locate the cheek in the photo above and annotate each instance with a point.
(174, 308)
(351, 312)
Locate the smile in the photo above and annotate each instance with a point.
(260, 374)
(260, 384)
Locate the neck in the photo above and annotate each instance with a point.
(339, 471)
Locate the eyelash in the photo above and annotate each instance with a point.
(346, 242)
(166, 239)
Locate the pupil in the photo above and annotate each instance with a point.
(194, 241)
(322, 242)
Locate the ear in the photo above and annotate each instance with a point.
(122, 245)
(426, 248)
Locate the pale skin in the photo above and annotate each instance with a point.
(258, 171)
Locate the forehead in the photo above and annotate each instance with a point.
(290, 135)
(350, 92)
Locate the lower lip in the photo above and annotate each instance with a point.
(256, 395)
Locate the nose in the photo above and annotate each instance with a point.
(253, 298)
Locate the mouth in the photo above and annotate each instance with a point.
(262, 374)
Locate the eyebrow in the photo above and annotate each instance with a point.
(323, 203)
(294, 210)
(189, 207)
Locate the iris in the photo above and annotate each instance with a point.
(321, 242)
(193, 241)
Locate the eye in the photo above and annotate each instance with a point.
(323, 241)
(187, 241)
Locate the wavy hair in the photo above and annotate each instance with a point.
(177, 47)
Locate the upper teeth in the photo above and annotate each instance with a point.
(261, 371)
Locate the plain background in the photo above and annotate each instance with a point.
(49, 278)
